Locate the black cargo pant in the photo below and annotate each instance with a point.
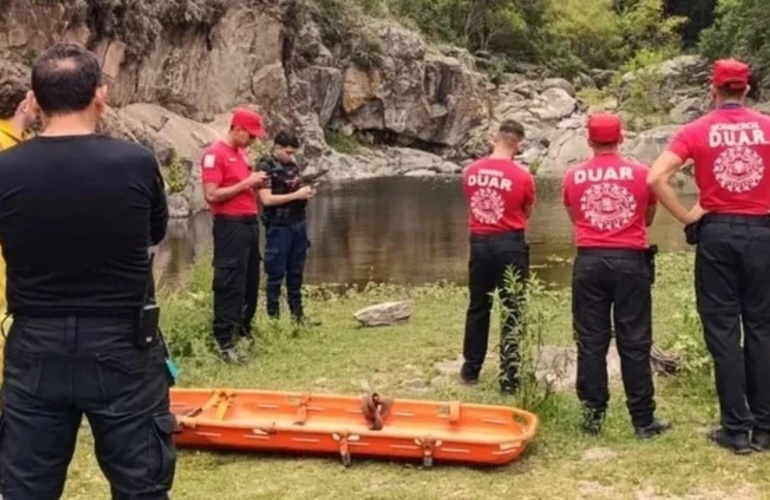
(286, 246)
(490, 257)
(57, 369)
(732, 284)
(236, 276)
(613, 286)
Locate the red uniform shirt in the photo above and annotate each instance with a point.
(609, 197)
(225, 165)
(730, 150)
(497, 191)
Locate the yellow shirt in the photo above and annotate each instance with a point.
(8, 138)
(8, 135)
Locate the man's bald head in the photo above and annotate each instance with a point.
(65, 79)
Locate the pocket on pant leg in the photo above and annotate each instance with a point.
(162, 451)
(122, 376)
(22, 373)
(225, 274)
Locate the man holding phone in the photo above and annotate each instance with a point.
(286, 236)
(229, 188)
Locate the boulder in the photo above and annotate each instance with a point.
(559, 83)
(433, 98)
(385, 314)
(650, 144)
(570, 148)
(687, 110)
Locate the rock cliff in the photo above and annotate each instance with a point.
(404, 108)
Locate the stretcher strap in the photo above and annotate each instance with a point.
(220, 397)
(428, 445)
(265, 430)
(302, 412)
(343, 438)
(225, 396)
(450, 411)
(375, 408)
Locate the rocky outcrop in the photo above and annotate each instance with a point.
(175, 97)
(426, 97)
(427, 111)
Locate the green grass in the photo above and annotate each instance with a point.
(340, 357)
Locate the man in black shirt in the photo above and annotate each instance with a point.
(286, 241)
(78, 213)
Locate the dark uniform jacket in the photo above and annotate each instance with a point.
(284, 179)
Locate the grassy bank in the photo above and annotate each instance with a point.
(405, 361)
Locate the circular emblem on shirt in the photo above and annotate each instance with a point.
(739, 169)
(487, 206)
(608, 206)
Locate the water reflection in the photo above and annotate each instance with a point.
(403, 230)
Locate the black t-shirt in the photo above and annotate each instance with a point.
(284, 179)
(77, 215)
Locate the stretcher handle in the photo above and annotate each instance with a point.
(531, 422)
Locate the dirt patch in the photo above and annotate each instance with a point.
(599, 454)
(592, 489)
(556, 364)
(743, 492)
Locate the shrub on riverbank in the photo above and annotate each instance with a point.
(419, 360)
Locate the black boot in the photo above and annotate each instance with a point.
(760, 440)
(593, 420)
(738, 443)
(469, 376)
(248, 337)
(230, 355)
(655, 428)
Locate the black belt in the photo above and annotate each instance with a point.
(123, 313)
(512, 234)
(248, 219)
(750, 220)
(617, 253)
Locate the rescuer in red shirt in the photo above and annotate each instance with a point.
(229, 186)
(500, 195)
(611, 206)
(730, 149)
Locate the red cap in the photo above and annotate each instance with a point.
(730, 73)
(605, 128)
(249, 121)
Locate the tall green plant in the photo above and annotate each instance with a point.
(534, 304)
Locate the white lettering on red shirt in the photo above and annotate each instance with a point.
(730, 151)
(497, 192)
(608, 196)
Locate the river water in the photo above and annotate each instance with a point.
(405, 230)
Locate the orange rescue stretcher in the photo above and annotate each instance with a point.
(367, 426)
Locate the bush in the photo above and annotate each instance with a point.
(367, 53)
(342, 26)
(347, 144)
(584, 35)
(740, 31)
(645, 100)
(537, 304)
(568, 36)
(175, 173)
